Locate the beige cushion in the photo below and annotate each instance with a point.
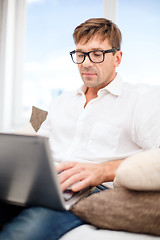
(122, 209)
(140, 171)
(38, 116)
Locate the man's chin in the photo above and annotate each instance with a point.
(90, 82)
(90, 85)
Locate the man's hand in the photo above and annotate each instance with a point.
(82, 175)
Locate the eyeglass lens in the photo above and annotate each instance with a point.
(95, 56)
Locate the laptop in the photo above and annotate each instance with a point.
(28, 176)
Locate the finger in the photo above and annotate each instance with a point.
(71, 181)
(64, 166)
(64, 175)
(80, 185)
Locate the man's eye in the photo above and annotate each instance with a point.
(80, 55)
(97, 54)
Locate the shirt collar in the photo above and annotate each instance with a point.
(114, 87)
(81, 90)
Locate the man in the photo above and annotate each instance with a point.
(97, 56)
(93, 129)
(104, 120)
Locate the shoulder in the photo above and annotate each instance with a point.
(150, 96)
(134, 90)
(138, 89)
(63, 100)
(142, 92)
(64, 96)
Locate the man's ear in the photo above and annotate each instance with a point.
(118, 58)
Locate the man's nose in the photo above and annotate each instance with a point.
(87, 62)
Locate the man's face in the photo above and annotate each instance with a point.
(98, 75)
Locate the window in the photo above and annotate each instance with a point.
(139, 22)
(48, 69)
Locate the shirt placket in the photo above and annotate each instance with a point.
(79, 130)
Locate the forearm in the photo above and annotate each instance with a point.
(108, 169)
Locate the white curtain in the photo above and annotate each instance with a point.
(12, 28)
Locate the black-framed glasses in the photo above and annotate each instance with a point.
(96, 56)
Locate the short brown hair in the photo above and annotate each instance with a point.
(103, 27)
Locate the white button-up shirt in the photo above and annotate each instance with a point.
(121, 121)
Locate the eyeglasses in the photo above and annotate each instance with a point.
(96, 56)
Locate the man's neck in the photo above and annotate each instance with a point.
(90, 94)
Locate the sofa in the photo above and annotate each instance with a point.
(133, 215)
(88, 232)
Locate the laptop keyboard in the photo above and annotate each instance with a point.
(68, 194)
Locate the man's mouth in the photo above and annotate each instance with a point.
(87, 74)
